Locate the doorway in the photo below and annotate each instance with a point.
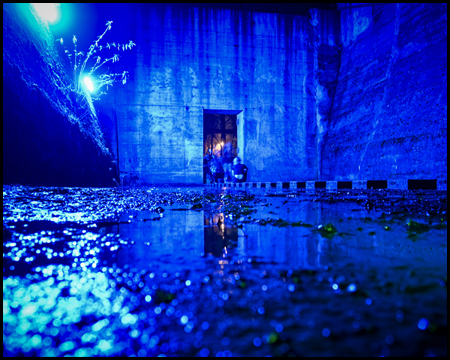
(220, 133)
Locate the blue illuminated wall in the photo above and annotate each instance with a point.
(188, 59)
(389, 118)
(337, 95)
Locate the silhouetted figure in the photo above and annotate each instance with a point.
(207, 160)
(239, 171)
(217, 170)
(227, 161)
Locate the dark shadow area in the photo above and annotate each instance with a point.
(422, 184)
(320, 184)
(344, 184)
(377, 184)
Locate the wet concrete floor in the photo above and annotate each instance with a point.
(179, 271)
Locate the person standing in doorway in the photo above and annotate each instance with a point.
(227, 161)
(239, 171)
(207, 161)
(217, 170)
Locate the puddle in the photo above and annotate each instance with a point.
(184, 238)
(224, 273)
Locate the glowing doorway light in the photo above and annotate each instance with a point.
(48, 12)
(88, 83)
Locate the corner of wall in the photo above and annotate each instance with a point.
(327, 45)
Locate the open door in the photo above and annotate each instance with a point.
(220, 132)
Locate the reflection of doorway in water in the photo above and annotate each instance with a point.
(218, 237)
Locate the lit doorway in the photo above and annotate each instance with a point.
(220, 132)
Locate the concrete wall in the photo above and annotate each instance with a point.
(48, 137)
(355, 94)
(389, 118)
(190, 59)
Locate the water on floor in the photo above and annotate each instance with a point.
(203, 272)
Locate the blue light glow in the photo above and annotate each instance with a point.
(204, 352)
(257, 342)
(423, 324)
(340, 118)
(88, 83)
(48, 12)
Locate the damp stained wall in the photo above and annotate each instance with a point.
(190, 59)
(338, 95)
(389, 117)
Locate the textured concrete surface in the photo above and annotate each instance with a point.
(332, 185)
(389, 118)
(46, 138)
(275, 68)
(442, 184)
(398, 184)
(333, 96)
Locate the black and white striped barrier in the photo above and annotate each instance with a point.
(338, 185)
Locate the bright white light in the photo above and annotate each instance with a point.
(47, 11)
(88, 83)
(184, 319)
